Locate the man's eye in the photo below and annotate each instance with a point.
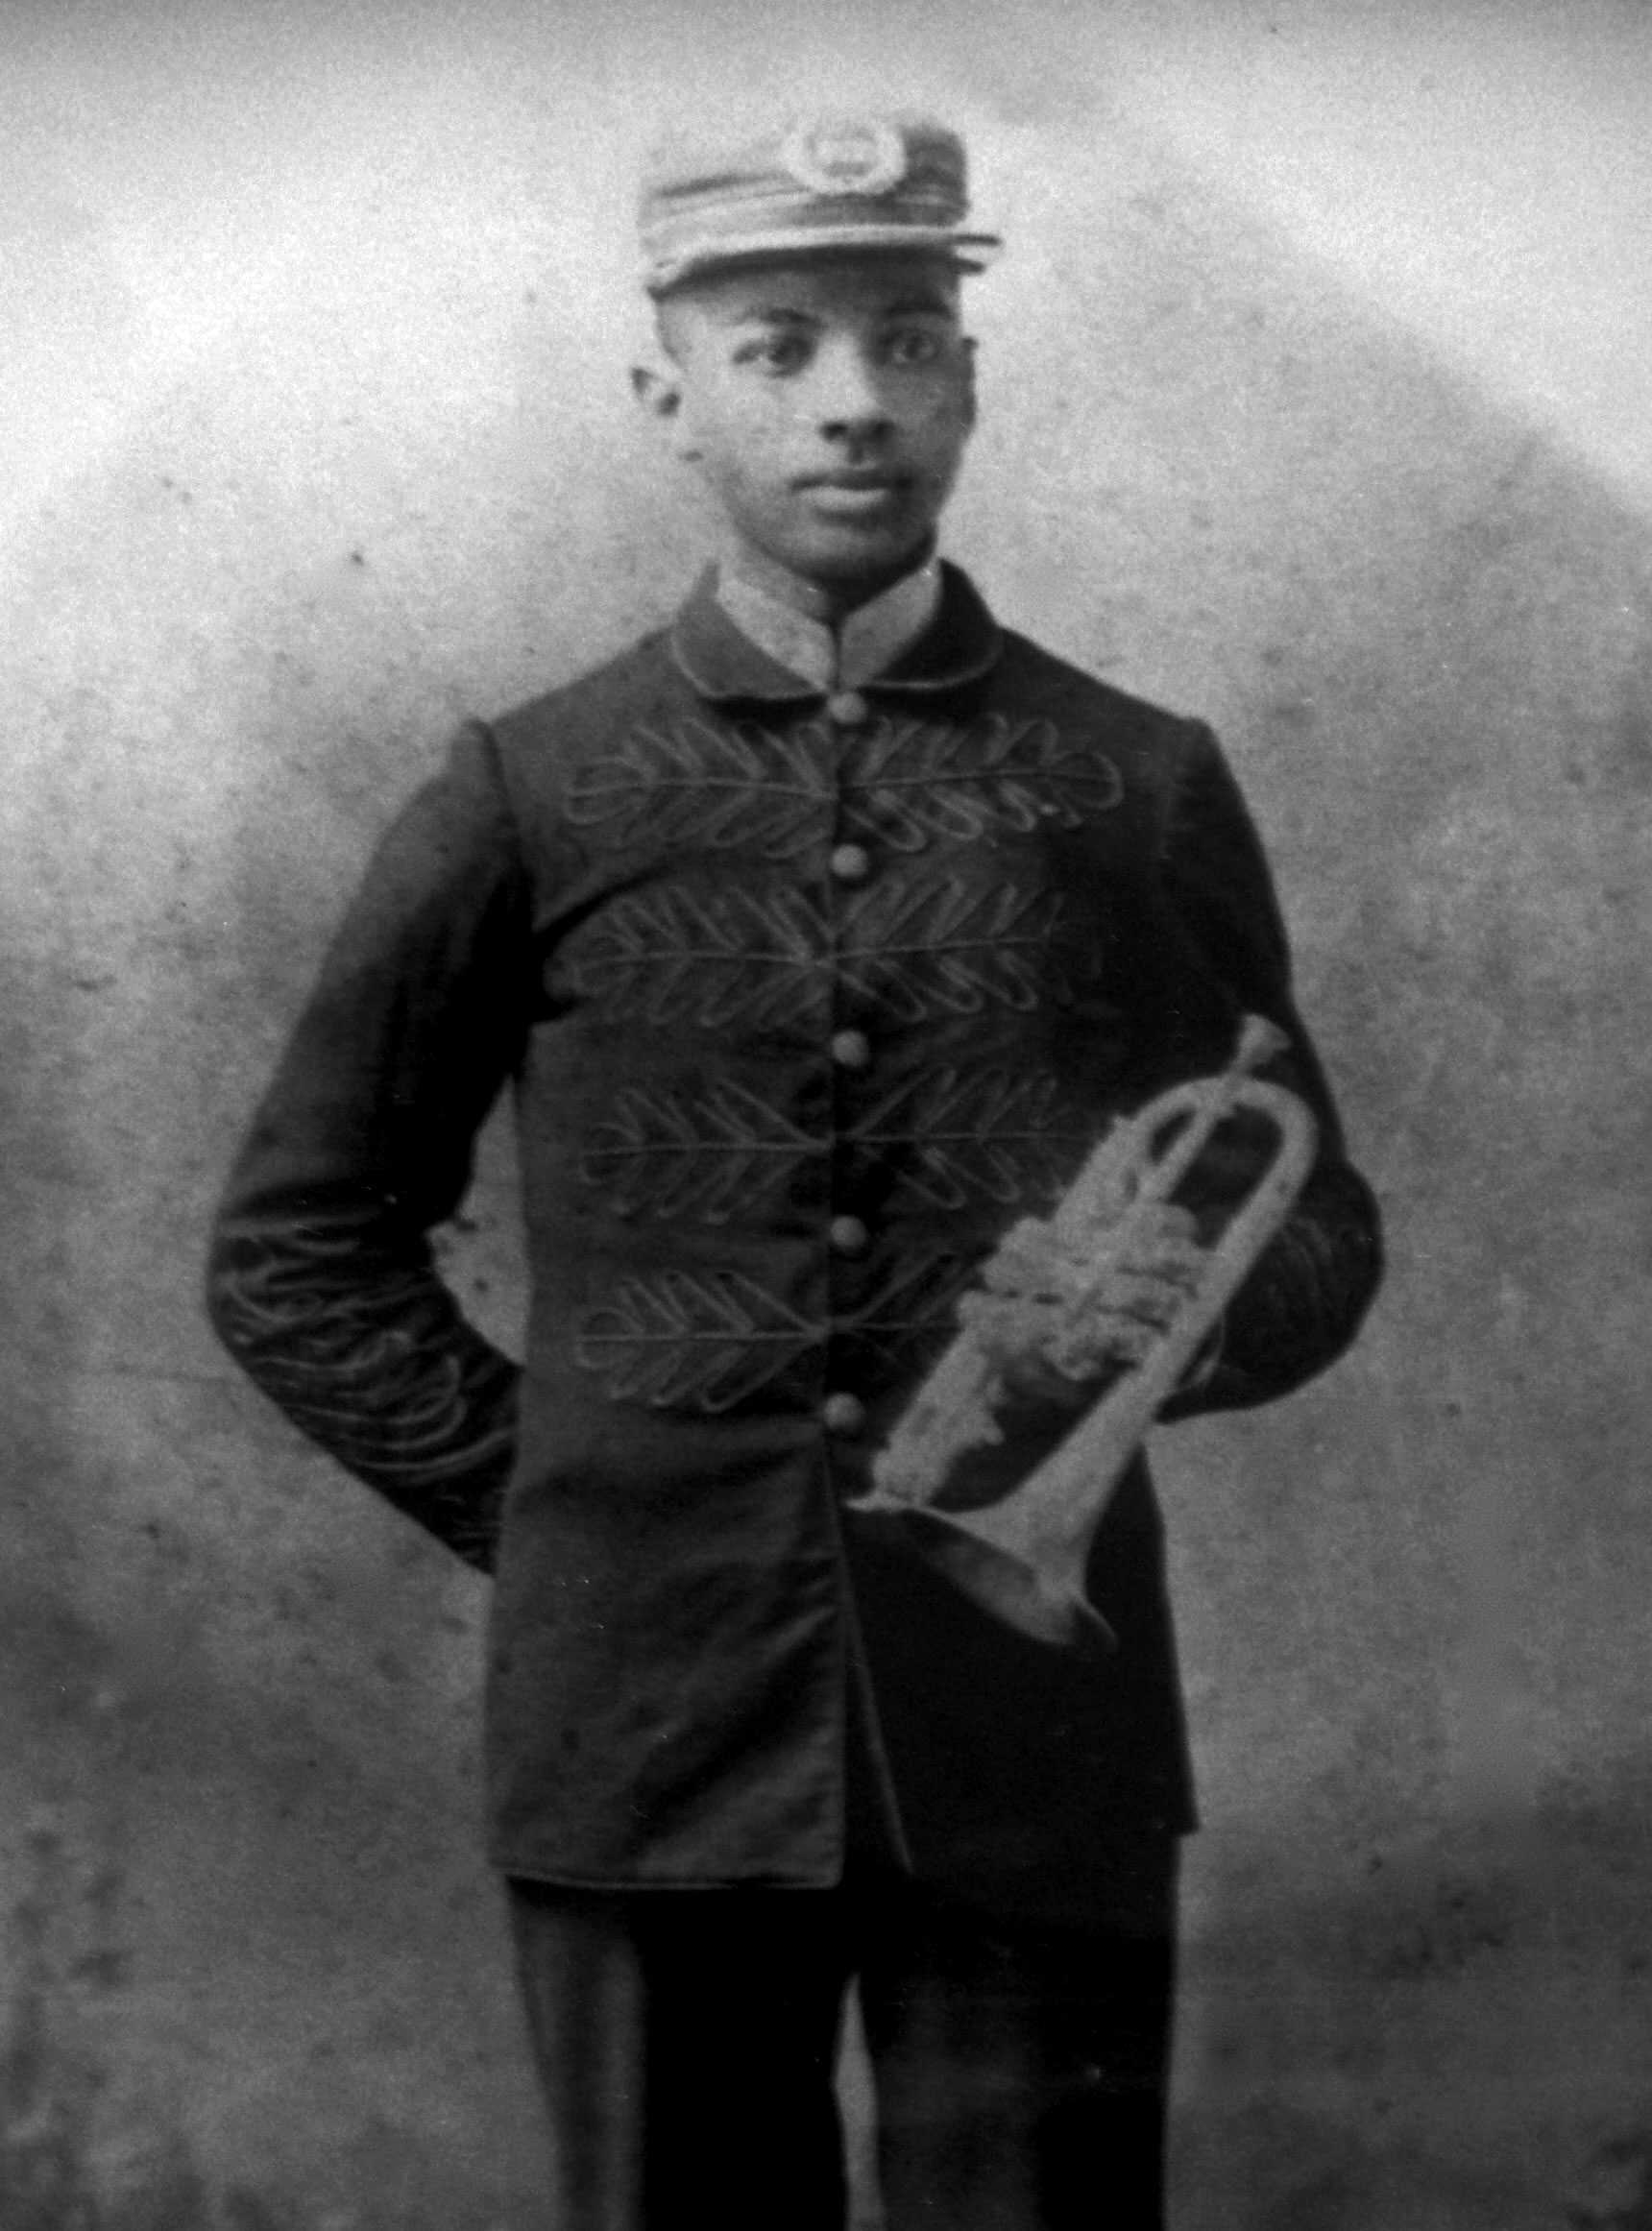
(783, 354)
(918, 346)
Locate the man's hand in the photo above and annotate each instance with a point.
(1058, 1325)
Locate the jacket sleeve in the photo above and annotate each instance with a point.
(322, 1282)
(1309, 1291)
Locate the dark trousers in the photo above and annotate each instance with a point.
(687, 2041)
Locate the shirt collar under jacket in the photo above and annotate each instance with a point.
(958, 641)
(869, 642)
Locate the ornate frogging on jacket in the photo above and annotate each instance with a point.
(710, 1340)
(907, 782)
(760, 959)
(947, 1138)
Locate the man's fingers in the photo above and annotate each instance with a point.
(1179, 1262)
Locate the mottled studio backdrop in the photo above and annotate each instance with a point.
(1316, 402)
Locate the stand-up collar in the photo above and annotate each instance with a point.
(866, 643)
(961, 643)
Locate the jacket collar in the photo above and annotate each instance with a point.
(960, 643)
(866, 644)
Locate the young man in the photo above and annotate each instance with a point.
(821, 936)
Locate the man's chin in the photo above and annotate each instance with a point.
(863, 560)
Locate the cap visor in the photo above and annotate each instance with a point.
(969, 251)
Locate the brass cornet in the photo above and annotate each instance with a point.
(1024, 1556)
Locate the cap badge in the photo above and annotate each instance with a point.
(845, 154)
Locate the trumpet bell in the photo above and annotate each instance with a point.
(1043, 1601)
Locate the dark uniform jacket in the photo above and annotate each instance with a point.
(803, 1001)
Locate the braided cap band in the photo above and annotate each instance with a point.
(809, 185)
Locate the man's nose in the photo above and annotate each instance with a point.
(848, 400)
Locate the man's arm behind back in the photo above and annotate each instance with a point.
(322, 1281)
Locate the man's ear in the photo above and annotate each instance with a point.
(969, 396)
(659, 388)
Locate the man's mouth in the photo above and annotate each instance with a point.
(851, 494)
(855, 479)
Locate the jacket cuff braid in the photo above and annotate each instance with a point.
(383, 1372)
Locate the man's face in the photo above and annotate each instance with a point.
(826, 404)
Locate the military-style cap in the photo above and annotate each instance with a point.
(809, 185)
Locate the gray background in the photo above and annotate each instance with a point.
(1315, 394)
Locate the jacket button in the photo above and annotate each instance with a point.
(851, 1049)
(843, 1414)
(850, 863)
(848, 1235)
(847, 707)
